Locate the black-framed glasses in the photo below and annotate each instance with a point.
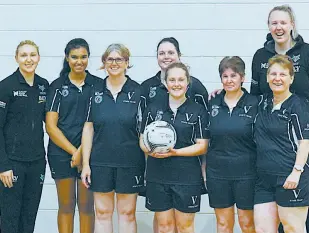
(118, 60)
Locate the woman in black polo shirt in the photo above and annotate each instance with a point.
(281, 135)
(112, 160)
(231, 157)
(67, 108)
(22, 153)
(174, 179)
(168, 52)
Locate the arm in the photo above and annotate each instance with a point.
(56, 135)
(199, 148)
(255, 78)
(301, 159)
(300, 123)
(87, 139)
(6, 172)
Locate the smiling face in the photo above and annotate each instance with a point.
(166, 55)
(115, 64)
(279, 78)
(280, 26)
(231, 80)
(27, 58)
(177, 82)
(78, 60)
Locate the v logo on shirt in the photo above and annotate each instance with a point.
(189, 117)
(130, 95)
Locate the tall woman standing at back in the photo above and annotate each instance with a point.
(282, 38)
(67, 107)
(22, 154)
(113, 163)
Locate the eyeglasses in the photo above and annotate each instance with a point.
(118, 60)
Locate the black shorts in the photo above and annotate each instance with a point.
(121, 179)
(226, 193)
(269, 188)
(162, 197)
(61, 168)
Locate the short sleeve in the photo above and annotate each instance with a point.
(202, 125)
(53, 99)
(146, 120)
(300, 120)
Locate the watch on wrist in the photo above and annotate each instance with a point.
(299, 168)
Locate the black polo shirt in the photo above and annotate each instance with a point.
(21, 119)
(153, 88)
(277, 133)
(190, 123)
(116, 126)
(232, 151)
(72, 105)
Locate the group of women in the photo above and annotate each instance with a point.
(256, 143)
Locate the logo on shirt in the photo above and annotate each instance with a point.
(42, 99)
(65, 91)
(152, 92)
(188, 118)
(2, 104)
(130, 95)
(296, 58)
(98, 97)
(264, 65)
(246, 110)
(215, 110)
(159, 115)
(42, 89)
(20, 93)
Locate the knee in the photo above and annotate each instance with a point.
(127, 215)
(185, 226)
(86, 207)
(103, 214)
(225, 225)
(166, 226)
(67, 207)
(246, 224)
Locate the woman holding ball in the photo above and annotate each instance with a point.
(174, 179)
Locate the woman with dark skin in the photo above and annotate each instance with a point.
(67, 107)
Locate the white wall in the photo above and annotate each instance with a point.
(207, 30)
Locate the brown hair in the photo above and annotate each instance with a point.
(27, 42)
(283, 60)
(289, 10)
(179, 65)
(235, 63)
(121, 49)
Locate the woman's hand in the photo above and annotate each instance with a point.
(7, 178)
(76, 159)
(86, 176)
(214, 93)
(171, 152)
(292, 181)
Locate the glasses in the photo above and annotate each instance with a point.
(117, 60)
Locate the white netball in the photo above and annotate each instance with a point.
(159, 137)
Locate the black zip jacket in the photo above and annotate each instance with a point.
(300, 56)
(21, 119)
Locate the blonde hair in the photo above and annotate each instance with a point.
(289, 10)
(27, 42)
(283, 60)
(119, 48)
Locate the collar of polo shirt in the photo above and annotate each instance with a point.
(126, 86)
(240, 103)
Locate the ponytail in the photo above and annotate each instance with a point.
(65, 68)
